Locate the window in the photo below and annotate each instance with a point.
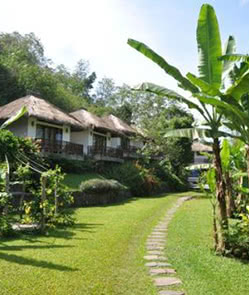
(99, 142)
(125, 143)
(48, 133)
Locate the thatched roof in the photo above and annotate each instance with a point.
(91, 120)
(120, 125)
(199, 147)
(38, 108)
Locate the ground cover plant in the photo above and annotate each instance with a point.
(189, 249)
(102, 253)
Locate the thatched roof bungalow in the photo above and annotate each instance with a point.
(40, 109)
(120, 125)
(90, 120)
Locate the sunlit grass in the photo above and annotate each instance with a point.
(189, 248)
(102, 254)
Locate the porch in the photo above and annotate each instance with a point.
(104, 153)
(61, 148)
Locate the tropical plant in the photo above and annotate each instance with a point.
(209, 84)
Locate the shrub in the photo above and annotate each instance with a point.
(129, 175)
(5, 227)
(101, 186)
(72, 166)
(8, 145)
(237, 238)
(164, 172)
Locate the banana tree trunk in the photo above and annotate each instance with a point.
(229, 194)
(220, 197)
(247, 160)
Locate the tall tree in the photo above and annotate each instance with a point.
(25, 70)
(208, 84)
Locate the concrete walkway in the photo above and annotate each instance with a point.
(164, 275)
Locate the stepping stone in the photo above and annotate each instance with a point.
(159, 271)
(150, 247)
(152, 241)
(168, 292)
(152, 236)
(154, 244)
(157, 264)
(155, 240)
(154, 257)
(155, 252)
(158, 233)
(167, 281)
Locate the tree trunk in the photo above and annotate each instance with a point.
(215, 233)
(220, 197)
(7, 190)
(56, 200)
(240, 195)
(247, 160)
(43, 199)
(229, 194)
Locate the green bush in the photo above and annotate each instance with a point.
(101, 186)
(163, 171)
(72, 166)
(8, 145)
(237, 237)
(129, 175)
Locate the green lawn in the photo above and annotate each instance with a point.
(102, 254)
(74, 180)
(189, 248)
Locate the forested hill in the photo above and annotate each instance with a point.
(25, 70)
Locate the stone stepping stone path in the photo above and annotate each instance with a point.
(155, 258)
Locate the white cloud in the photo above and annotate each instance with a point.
(244, 2)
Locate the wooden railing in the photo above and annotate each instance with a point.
(105, 151)
(60, 147)
(131, 151)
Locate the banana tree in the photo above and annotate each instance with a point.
(235, 104)
(209, 84)
(14, 118)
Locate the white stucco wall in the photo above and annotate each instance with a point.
(32, 127)
(82, 137)
(109, 140)
(19, 127)
(66, 133)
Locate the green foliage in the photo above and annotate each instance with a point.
(141, 179)
(129, 175)
(73, 180)
(25, 70)
(5, 227)
(72, 166)
(8, 145)
(96, 186)
(238, 236)
(58, 197)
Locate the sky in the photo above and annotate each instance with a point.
(97, 31)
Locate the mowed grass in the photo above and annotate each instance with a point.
(102, 254)
(189, 249)
(73, 181)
